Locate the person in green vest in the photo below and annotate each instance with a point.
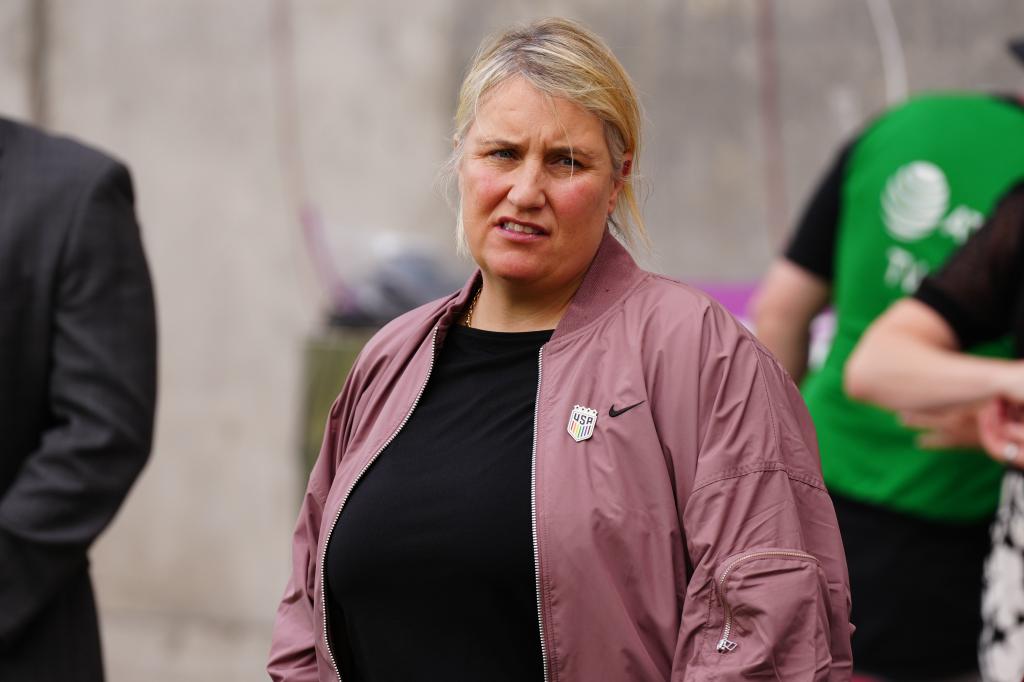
(913, 493)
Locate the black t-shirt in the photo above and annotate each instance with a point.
(980, 290)
(814, 243)
(430, 569)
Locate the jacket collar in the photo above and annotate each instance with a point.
(612, 272)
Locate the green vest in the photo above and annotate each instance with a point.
(917, 183)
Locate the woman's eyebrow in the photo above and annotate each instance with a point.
(562, 150)
(573, 152)
(496, 142)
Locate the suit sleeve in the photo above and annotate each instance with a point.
(101, 394)
(768, 596)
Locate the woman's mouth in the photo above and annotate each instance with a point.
(520, 228)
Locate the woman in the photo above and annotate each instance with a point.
(910, 359)
(570, 469)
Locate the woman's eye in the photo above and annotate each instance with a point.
(568, 162)
(503, 154)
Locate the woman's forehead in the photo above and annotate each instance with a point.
(516, 111)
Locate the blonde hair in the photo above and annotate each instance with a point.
(566, 60)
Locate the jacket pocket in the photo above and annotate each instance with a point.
(772, 614)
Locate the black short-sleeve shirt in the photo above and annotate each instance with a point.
(980, 290)
(813, 245)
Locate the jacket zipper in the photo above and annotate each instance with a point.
(533, 513)
(725, 644)
(323, 555)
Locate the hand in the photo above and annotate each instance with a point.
(1009, 381)
(954, 427)
(1001, 430)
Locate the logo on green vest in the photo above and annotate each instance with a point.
(915, 203)
(914, 200)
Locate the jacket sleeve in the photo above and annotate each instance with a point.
(296, 628)
(768, 595)
(101, 400)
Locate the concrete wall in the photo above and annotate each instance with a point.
(197, 97)
(14, 58)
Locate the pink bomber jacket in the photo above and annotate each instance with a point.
(688, 538)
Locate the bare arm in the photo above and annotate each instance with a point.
(785, 304)
(909, 359)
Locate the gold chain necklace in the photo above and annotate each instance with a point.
(468, 320)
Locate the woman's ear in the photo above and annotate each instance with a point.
(620, 179)
(627, 165)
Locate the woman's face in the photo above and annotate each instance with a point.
(537, 187)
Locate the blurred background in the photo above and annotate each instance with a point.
(285, 156)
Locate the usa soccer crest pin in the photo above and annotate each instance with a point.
(581, 423)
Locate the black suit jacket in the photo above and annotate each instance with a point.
(77, 390)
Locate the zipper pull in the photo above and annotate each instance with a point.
(725, 645)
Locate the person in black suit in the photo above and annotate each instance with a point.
(77, 390)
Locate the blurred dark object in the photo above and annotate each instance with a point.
(1016, 47)
(398, 283)
(373, 276)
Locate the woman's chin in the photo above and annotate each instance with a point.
(513, 267)
(519, 276)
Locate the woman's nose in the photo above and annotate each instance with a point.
(527, 190)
